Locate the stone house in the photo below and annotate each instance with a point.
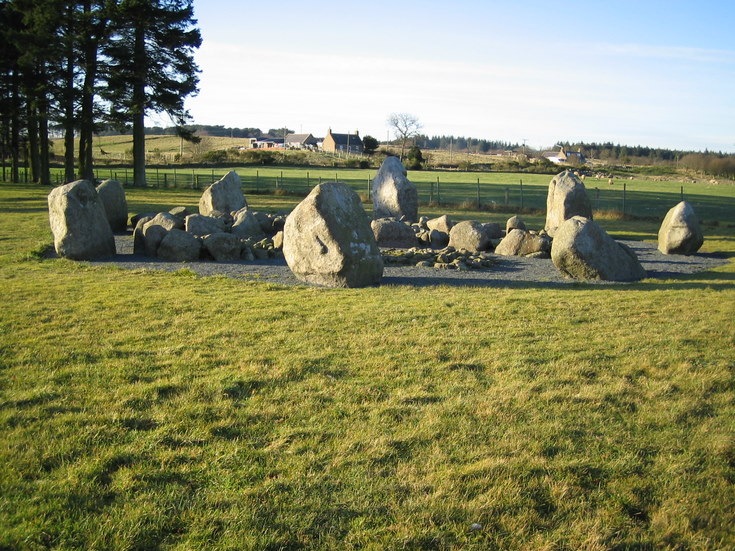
(342, 143)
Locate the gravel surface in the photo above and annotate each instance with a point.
(508, 271)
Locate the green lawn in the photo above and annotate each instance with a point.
(148, 410)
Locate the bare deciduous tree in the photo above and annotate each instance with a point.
(405, 127)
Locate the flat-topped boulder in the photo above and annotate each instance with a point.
(223, 197)
(394, 196)
(79, 222)
(680, 232)
(179, 246)
(567, 197)
(583, 250)
(327, 239)
(520, 242)
(200, 224)
(392, 233)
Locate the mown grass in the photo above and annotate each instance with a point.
(147, 410)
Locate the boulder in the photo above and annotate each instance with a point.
(224, 247)
(199, 224)
(438, 239)
(392, 233)
(246, 224)
(79, 223)
(327, 239)
(470, 235)
(265, 220)
(493, 230)
(223, 197)
(680, 232)
(179, 246)
(514, 223)
(443, 224)
(136, 218)
(180, 213)
(278, 240)
(520, 242)
(138, 238)
(156, 229)
(583, 250)
(394, 196)
(567, 197)
(112, 195)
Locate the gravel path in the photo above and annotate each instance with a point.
(508, 271)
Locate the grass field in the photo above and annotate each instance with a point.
(145, 410)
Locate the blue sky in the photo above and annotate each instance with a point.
(649, 72)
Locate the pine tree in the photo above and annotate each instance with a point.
(151, 65)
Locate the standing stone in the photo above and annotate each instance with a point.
(394, 196)
(179, 246)
(567, 197)
(582, 249)
(680, 232)
(112, 195)
(392, 233)
(223, 197)
(79, 223)
(138, 237)
(328, 241)
(470, 235)
(523, 243)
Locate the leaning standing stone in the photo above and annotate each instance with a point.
(79, 223)
(680, 232)
(520, 242)
(394, 196)
(567, 197)
(223, 197)
(328, 241)
(112, 195)
(583, 250)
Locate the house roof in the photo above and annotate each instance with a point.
(346, 139)
(298, 138)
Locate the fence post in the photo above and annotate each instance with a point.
(478, 194)
(257, 180)
(431, 192)
(336, 177)
(308, 186)
(682, 193)
(521, 194)
(624, 190)
(368, 187)
(597, 198)
(438, 193)
(507, 196)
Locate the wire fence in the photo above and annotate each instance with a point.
(482, 192)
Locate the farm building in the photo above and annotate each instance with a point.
(565, 157)
(300, 141)
(344, 143)
(268, 143)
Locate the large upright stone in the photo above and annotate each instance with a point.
(470, 235)
(583, 250)
(223, 197)
(112, 195)
(79, 223)
(394, 196)
(680, 232)
(328, 241)
(567, 197)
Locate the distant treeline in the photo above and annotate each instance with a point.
(460, 143)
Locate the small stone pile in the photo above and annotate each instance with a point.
(447, 258)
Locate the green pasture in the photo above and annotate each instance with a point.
(497, 191)
(150, 410)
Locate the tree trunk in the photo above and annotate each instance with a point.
(15, 129)
(86, 122)
(44, 173)
(68, 99)
(138, 108)
(33, 152)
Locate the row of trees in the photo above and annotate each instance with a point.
(81, 65)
